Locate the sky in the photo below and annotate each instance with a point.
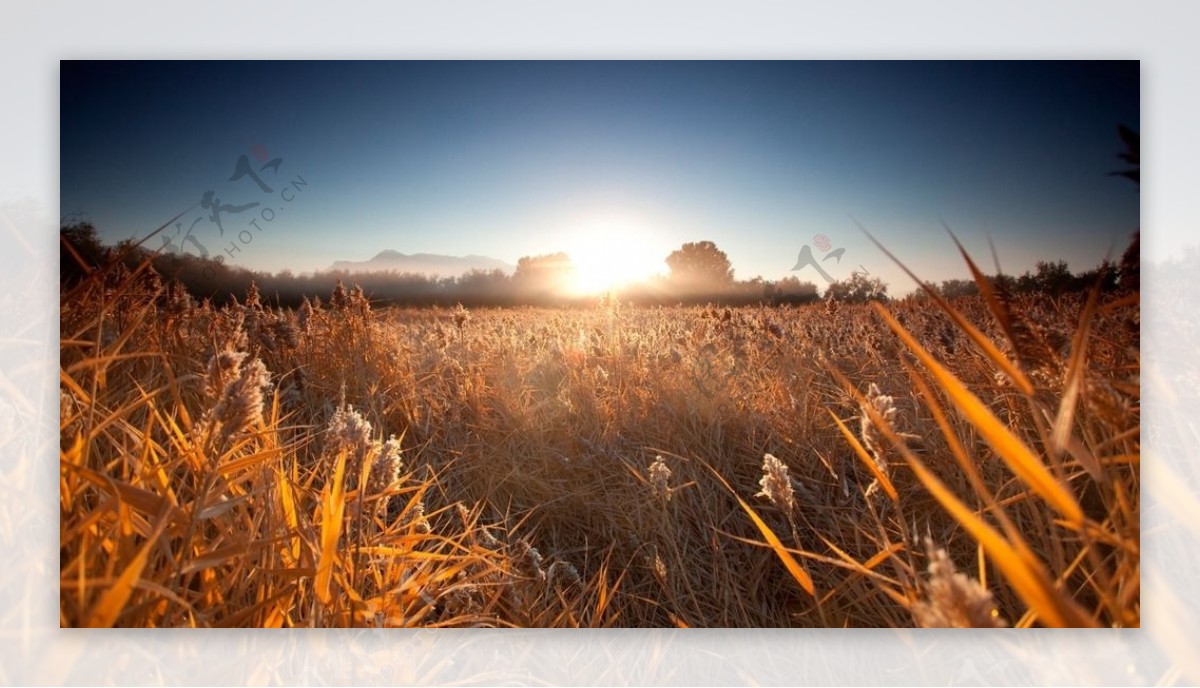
(621, 160)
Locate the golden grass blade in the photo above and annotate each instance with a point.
(68, 488)
(957, 450)
(100, 363)
(137, 498)
(981, 555)
(290, 515)
(1019, 458)
(843, 560)
(1027, 576)
(991, 297)
(109, 607)
(273, 619)
(1015, 538)
(333, 505)
(107, 359)
(228, 468)
(867, 569)
(1061, 437)
(74, 456)
(221, 506)
(119, 415)
(861, 452)
(602, 592)
(154, 465)
(408, 553)
(173, 383)
(798, 573)
(79, 393)
(222, 555)
(883, 555)
(278, 613)
(1090, 462)
(979, 338)
(80, 262)
(789, 562)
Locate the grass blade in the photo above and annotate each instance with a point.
(861, 452)
(1061, 438)
(108, 609)
(789, 562)
(979, 338)
(1019, 458)
(1028, 577)
(333, 506)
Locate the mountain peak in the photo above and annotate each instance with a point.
(391, 260)
(388, 254)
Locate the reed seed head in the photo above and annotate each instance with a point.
(241, 402)
(660, 477)
(872, 437)
(952, 600)
(223, 368)
(776, 485)
(387, 467)
(348, 431)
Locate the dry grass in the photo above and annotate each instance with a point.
(340, 465)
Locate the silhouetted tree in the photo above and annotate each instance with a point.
(543, 277)
(1053, 277)
(1129, 271)
(1105, 275)
(1130, 268)
(952, 288)
(490, 287)
(1004, 283)
(700, 265)
(79, 251)
(791, 290)
(858, 289)
(1132, 154)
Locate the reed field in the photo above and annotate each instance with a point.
(920, 462)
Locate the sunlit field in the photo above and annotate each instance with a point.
(918, 462)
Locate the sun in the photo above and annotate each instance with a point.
(609, 254)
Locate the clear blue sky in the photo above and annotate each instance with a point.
(506, 159)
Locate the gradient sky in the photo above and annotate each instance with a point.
(507, 159)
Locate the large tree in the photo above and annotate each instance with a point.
(700, 264)
(791, 290)
(80, 251)
(540, 277)
(858, 289)
(952, 288)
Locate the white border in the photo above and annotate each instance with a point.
(34, 36)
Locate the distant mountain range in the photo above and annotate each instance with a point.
(425, 263)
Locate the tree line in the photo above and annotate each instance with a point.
(699, 273)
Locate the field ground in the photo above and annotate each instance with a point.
(826, 465)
